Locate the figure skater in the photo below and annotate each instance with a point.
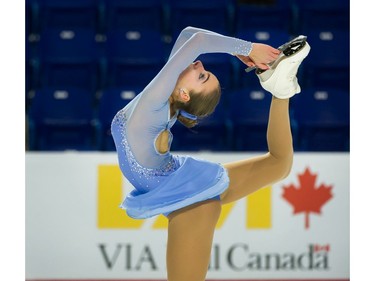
(187, 190)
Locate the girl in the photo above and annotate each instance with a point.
(190, 191)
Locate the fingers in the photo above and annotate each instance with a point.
(262, 55)
(250, 64)
(275, 51)
(274, 54)
(263, 66)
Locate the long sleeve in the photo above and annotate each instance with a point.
(185, 35)
(198, 42)
(149, 113)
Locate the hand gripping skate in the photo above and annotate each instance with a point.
(280, 79)
(287, 49)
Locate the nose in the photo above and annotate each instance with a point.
(198, 64)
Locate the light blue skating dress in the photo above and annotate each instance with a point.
(167, 182)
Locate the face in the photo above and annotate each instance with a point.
(196, 79)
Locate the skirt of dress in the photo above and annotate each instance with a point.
(195, 180)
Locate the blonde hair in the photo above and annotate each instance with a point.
(200, 105)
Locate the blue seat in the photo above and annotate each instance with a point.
(133, 58)
(69, 14)
(68, 58)
(320, 15)
(212, 15)
(134, 14)
(263, 15)
(272, 37)
(31, 63)
(32, 16)
(62, 119)
(110, 102)
(322, 118)
(211, 133)
(328, 62)
(249, 108)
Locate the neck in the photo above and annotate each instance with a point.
(172, 109)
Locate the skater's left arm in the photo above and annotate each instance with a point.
(260, 56)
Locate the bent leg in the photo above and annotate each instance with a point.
(190, 235)
(247, 176)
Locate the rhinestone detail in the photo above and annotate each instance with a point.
(148, 173)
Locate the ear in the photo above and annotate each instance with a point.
(184, 95)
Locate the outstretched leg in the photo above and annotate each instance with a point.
(190, 235)
(248, 176)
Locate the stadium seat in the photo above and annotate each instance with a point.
(32, 17)
(133, 58)
(269, 36)
(211, 15)
(62, 119)
(30, 62)
(110, 102)
(322, 117)
(69, 14)
(276, 14)
(328, 62)
(134, 14)
(249, 109)
(211, 133)
(68, 58)
(321, 15)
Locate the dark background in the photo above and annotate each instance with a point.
(86, 59)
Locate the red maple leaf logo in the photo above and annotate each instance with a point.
(307, 198)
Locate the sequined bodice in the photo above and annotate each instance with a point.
(141, 177)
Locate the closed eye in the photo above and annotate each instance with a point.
(208, 77)
(203, 76)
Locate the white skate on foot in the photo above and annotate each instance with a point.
(280, 79)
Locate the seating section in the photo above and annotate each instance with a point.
(328, 62)
(321, 15)
(134, 15)
(61, 119)
(249, 108)
(68, 58)
(86, 59)
(212, 15)
(271, 14)
(68, 14)
(323, 119)
(133, 58)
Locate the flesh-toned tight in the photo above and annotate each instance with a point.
(191, 229)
